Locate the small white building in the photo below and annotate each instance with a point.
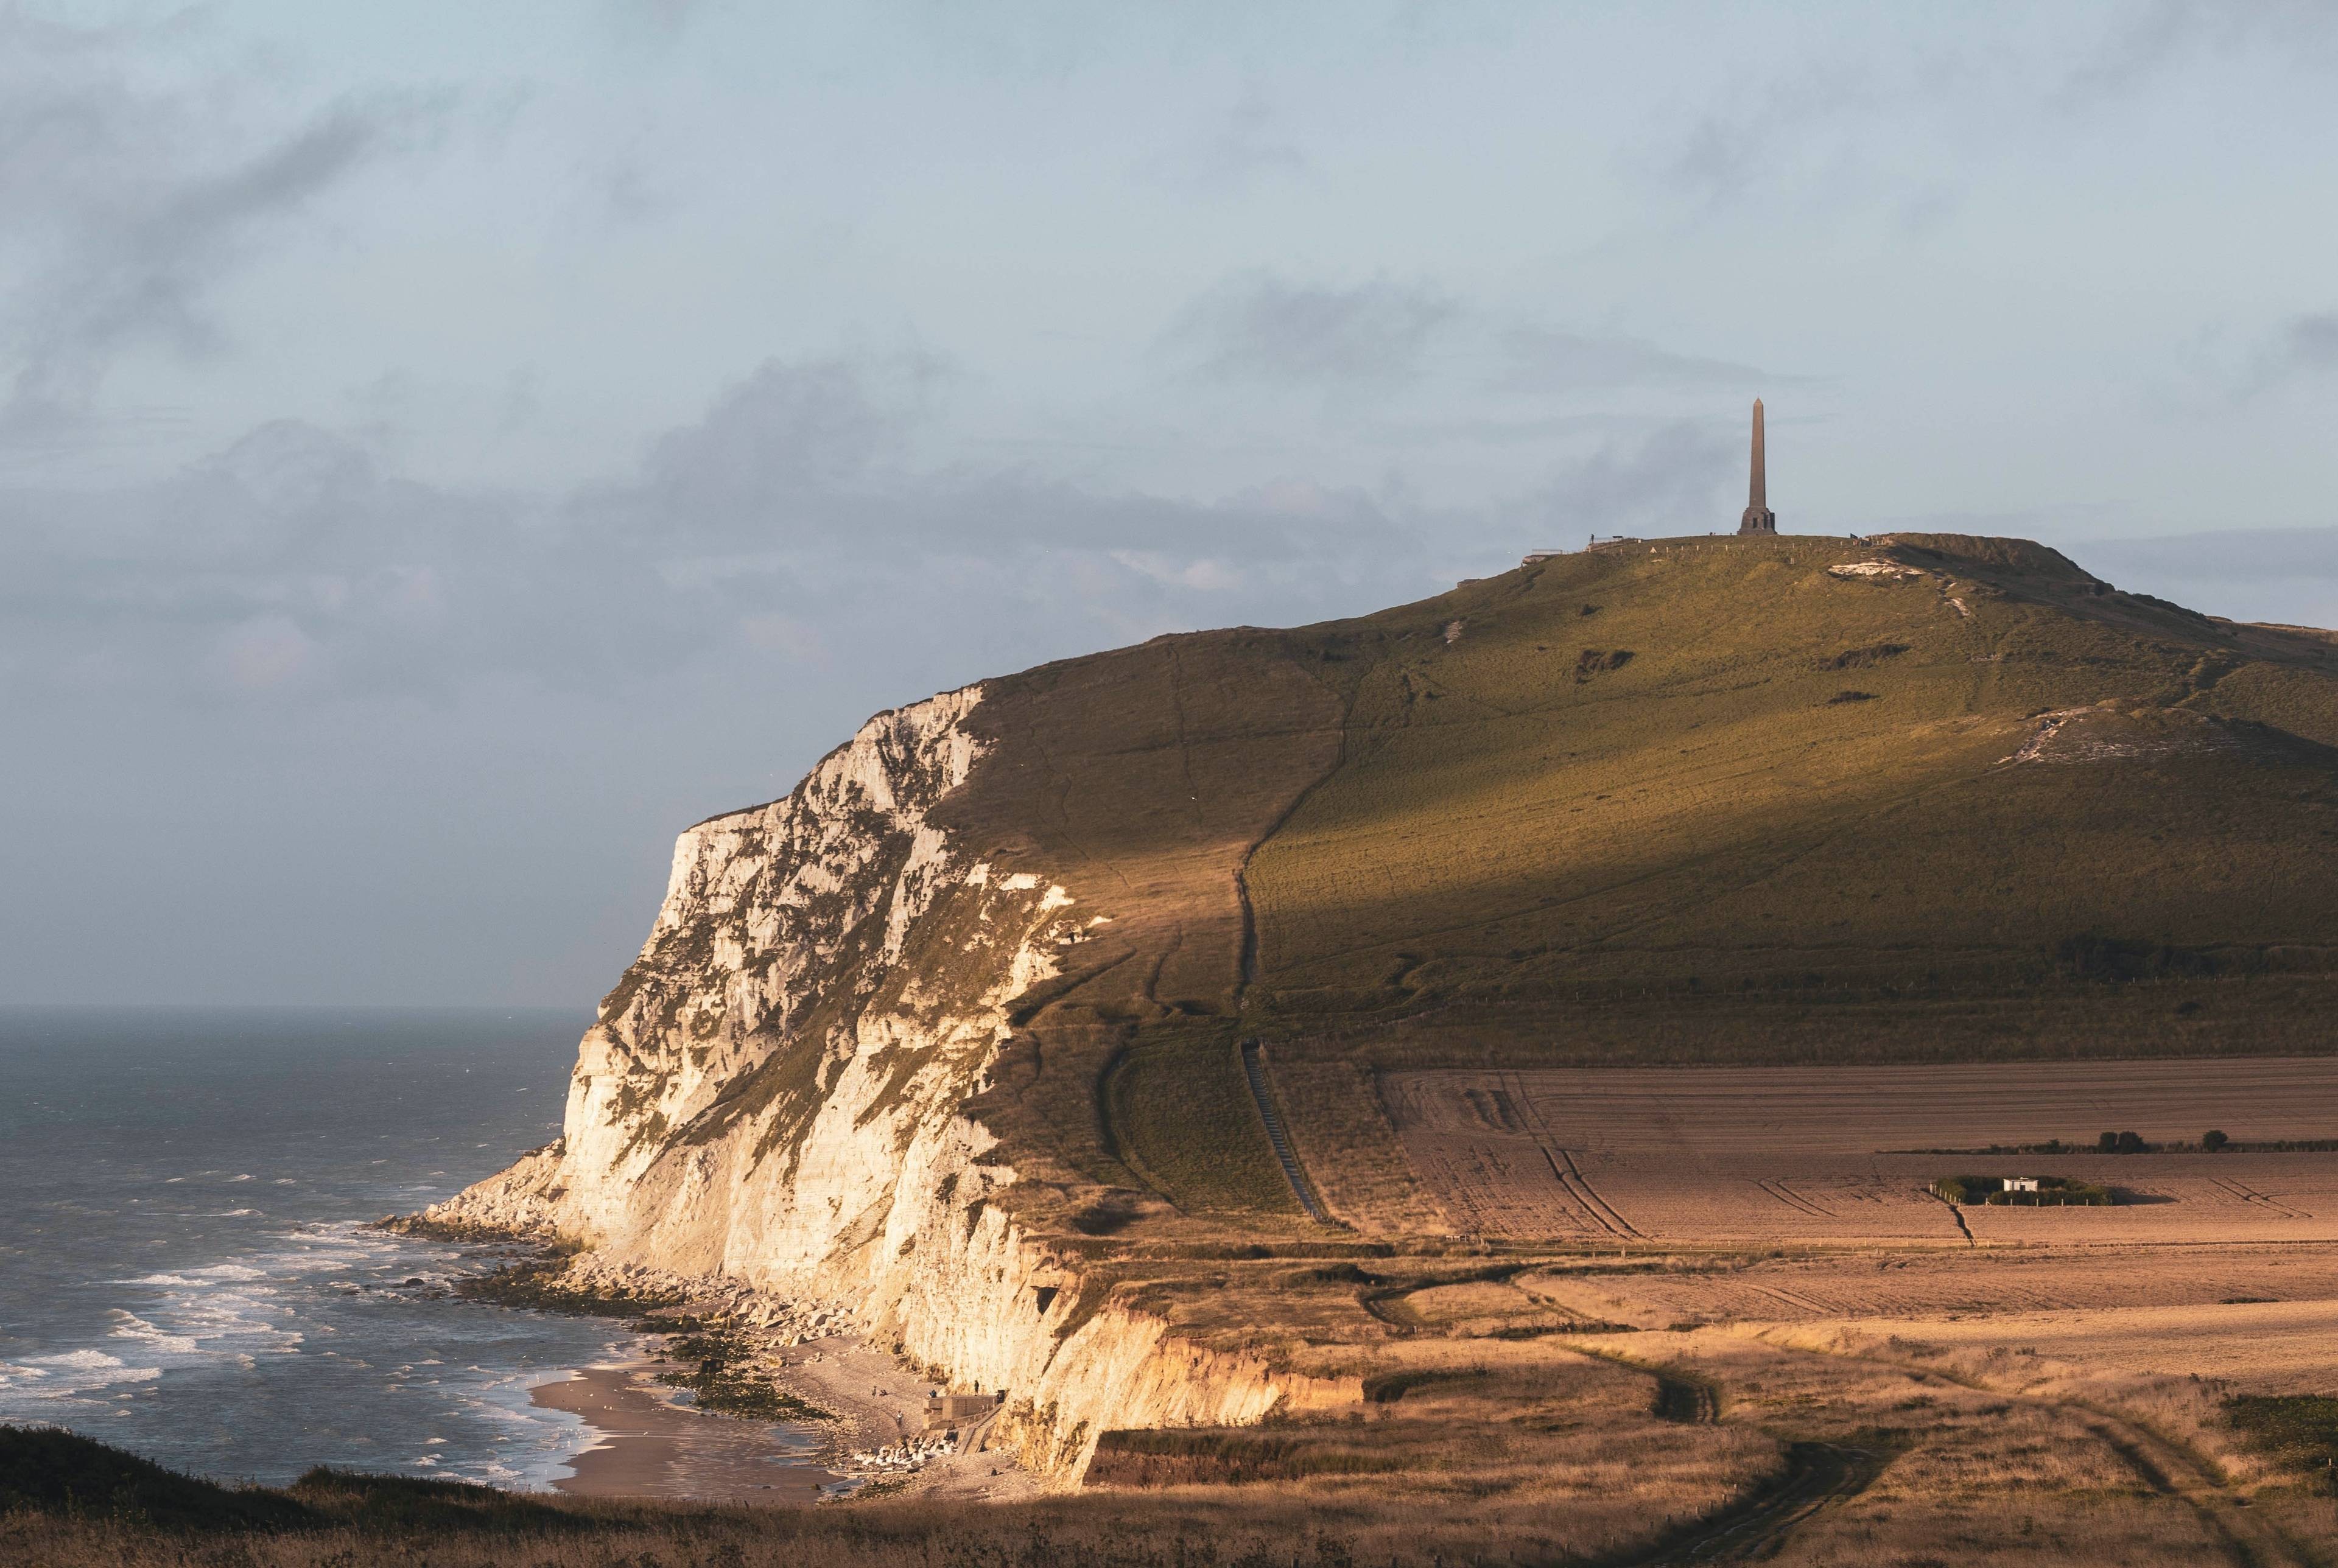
(2021, 1183)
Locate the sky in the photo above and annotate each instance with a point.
(446, 449)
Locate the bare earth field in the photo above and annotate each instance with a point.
(1829, 1155)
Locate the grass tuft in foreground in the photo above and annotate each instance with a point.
(68, 1502)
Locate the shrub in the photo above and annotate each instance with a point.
(2053, 1192)
(2092, 956)
(1598, 661)
(2212, 1140)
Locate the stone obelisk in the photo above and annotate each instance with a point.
(1758, 518)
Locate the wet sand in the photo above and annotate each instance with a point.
(648, 1447)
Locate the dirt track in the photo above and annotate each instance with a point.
(1817, 1474)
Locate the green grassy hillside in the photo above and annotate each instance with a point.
(1691, 800)
(1798, 775)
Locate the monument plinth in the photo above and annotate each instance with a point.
(1758, 518)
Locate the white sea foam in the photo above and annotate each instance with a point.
(72, 1373)
(130, 1326)
(541, 1442)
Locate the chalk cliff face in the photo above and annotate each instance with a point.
(773, 1094)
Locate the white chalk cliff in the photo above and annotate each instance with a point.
(772, 1096)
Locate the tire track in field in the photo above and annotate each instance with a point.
(2251, 1195)
(1794, 1299)
(1794, 1200)
(1563, 1166)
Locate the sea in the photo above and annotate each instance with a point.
(186, 1268)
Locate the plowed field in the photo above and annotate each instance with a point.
(1816, 1155)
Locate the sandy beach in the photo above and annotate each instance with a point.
(649, 1445)
(646, 1446)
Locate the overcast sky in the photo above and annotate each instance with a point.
(447, 448)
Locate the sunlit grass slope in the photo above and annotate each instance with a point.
(1805, 775)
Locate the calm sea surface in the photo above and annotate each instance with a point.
(183, 1269)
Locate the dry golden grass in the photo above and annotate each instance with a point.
(1476, 1443)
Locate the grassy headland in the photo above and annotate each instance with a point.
(2060, 820)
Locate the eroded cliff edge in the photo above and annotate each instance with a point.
(777, 1092)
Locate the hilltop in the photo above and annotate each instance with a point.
(1036, 985)
(1703, 800)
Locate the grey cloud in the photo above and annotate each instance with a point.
(669, 19)
(1260, 327)
(2234, 556)
(2144, 41)
(793, 526)
(785, 433)
(129, 204)
(1715, 160)
(2279, 574)
(1674, 481)
(790, 526)
(818, 458)
(1773, 130)
(1245, 145)
(1545, 359)
(2302, 346)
